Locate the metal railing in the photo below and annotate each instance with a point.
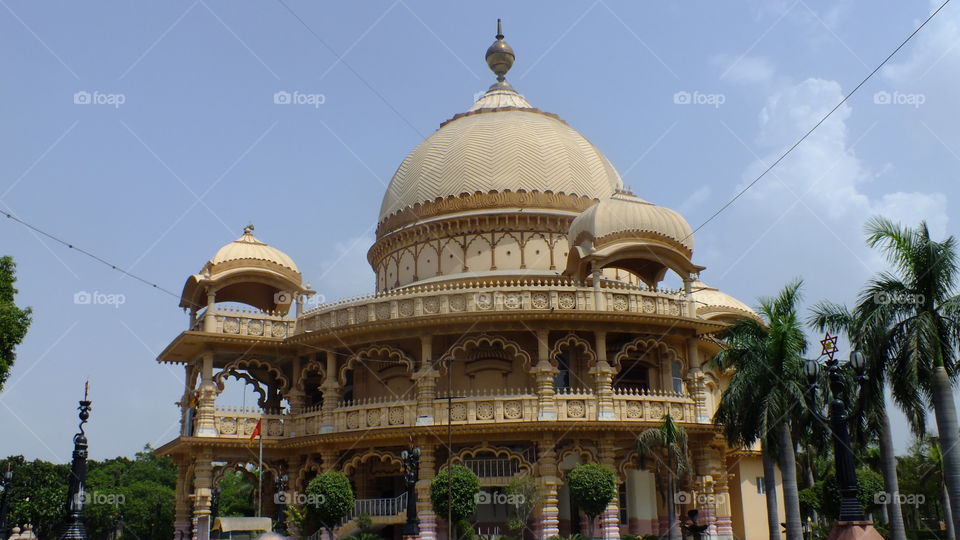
(493, 467)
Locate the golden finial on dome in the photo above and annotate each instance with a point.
(500, 56)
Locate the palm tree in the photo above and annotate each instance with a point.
(764, 391)
(869, 335)
(919, 299)
(670, 439)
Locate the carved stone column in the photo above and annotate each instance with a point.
(721, 494)
(202, 494)
(328, 459)
(426, 381)
(428, 469)
(331, 394)
(181, 511)
(550, 481)
(206, 404)
(610, 520)
(544, 374)
(209, 319)
(691, 310)
(603, 374)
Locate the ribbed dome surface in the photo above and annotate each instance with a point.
(623, 213)
(247, 247)
(496, 150)
(710, 299)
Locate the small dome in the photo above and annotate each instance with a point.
(712, 303)
(247, 271)
(625, 213)
(248, 248)
(625, 231)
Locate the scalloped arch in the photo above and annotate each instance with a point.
(572, 341)
(247, 364)
(314, 366)
(384, 352)
(645, 343)
(499, 451)
(469, 343)
(576, 450)
(384, 457)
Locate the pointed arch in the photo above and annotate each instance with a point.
(499, 451)
(384, 457)
(470, 344)
(312, 366)
(645, 343)
(248, 364)
(382, 353)
(572, 341)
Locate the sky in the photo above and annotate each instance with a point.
(147, 133)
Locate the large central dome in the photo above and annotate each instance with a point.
(507, 147)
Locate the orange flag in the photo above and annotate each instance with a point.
(256, 430)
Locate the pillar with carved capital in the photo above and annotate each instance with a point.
(603, 373)
(721, 494)
(428, 469)
(202, 494)
(206, 403)
(550, 480)
(181, 509)
(426, 381)
(610, 520)
(331, 394)
(328, 459)
(597, 273)
(544, 373)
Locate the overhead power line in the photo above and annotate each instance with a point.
(822, 120)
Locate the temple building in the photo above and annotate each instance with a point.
(520, 326)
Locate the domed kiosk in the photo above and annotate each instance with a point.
(519, 326)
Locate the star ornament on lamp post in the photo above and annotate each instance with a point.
(853, 523)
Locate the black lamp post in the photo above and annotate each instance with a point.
(850, 508)
(411, 473)
(78, 477)
(5, 501)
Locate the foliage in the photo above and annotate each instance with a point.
(137, 494)
(237, 494)
(524, 490)
(330, 498)
(461, 485)
(364, 529)
(810, 499)
(592, 486)
(296, 517)
(14, 321)
(38, 493)
(869, 484)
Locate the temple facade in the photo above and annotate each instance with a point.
(519, 327)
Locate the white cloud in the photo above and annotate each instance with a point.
(748, 70)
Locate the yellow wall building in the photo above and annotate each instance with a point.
(518, 327)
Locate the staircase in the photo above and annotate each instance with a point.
(382, 512)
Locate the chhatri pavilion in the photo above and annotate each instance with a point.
(519, 327)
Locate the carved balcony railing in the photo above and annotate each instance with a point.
(562, 294)
(239, 423)
(247, 322)
(474, 407)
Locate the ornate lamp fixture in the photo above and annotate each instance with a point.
(411, 474)
(78, 476)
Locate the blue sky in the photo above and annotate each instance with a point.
(198, 148)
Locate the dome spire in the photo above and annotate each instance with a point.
(500, 57)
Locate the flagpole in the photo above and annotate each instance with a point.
(260, 478)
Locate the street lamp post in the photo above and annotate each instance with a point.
(411, 473)
(5, 502)
(78, 477)
(851, 511)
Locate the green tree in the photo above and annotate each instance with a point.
(453, 494)
(918, 295)
(330, 499)
(524, 495)
(237, 492)
(869, 488)
(765, 386)
(38, 494)
(869, 335)
(592, 486)
(14, 321)
(667, 444)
